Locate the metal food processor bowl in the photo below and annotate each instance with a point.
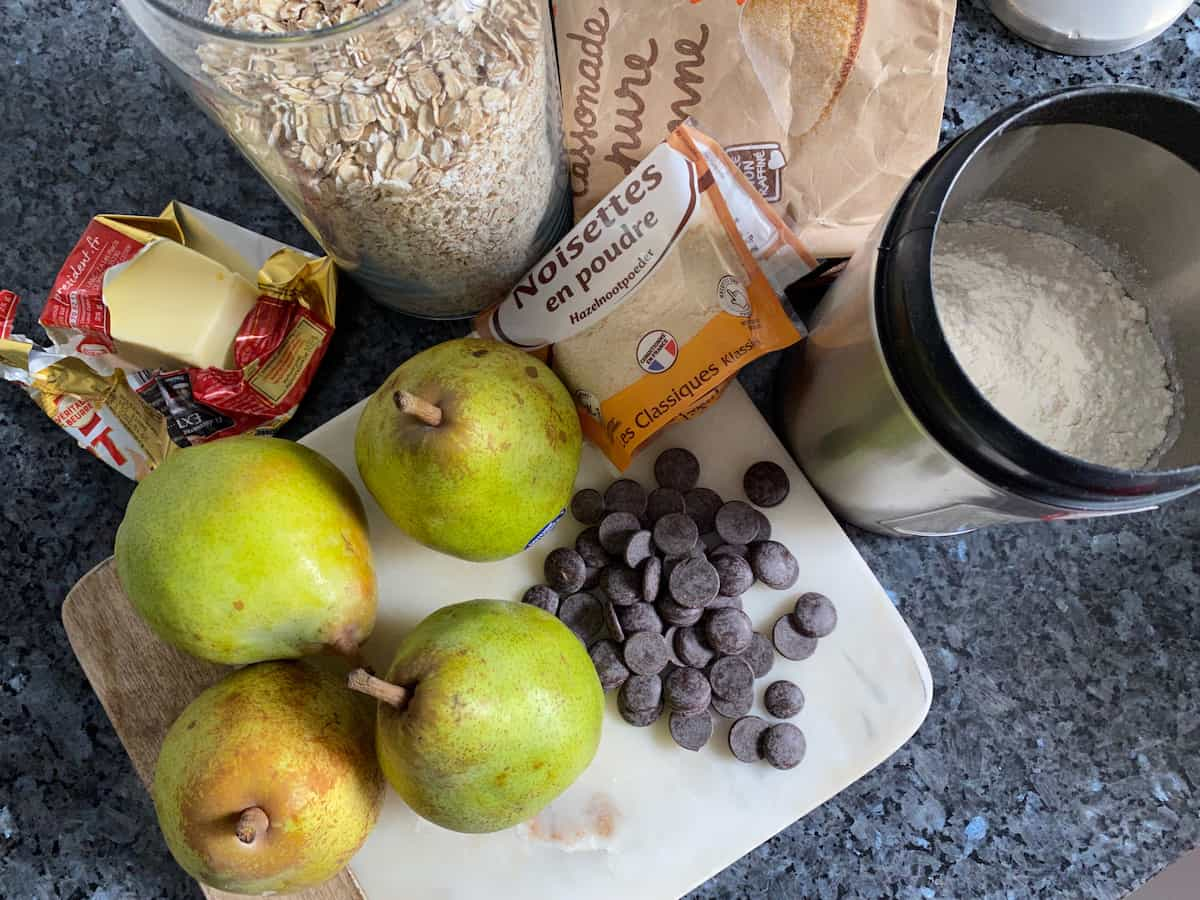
(877, 409)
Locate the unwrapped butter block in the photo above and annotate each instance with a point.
(172, 308)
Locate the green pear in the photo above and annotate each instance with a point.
(249, 549)
(489, 711)
(268, 781)
(471, 448)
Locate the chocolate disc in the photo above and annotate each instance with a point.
(638, 549)
(565, 570)
(625, 495)
(734, 574)
(646, 653)
(641, 692)
(675, 614)
(663, 502)
(783, 745)
(640, 718)
(760, 655)
(582, 614)
(614, 531)
(731, 677)
(612, 622)
(606, 657)
(737, 522)
(774, 565)
(687, 690)
(691, 731)
(691, 649)
(675, 534)
(791, 643)
(783, 699)
(677, 468)
(639, 617)
(815, 615)
(587, 507)
(651, 578)
(766, 484)
(728, 630)
(543, 597)
(745, 738)
(622, 584)
(589, 547)
(701, 505)
(694, 582)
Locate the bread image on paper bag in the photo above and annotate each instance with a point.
(802, 52)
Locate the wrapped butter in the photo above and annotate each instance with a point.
(173, 330)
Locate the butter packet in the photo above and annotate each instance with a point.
(660, 294)
(173, 330)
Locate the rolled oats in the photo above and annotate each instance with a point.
(423, 150)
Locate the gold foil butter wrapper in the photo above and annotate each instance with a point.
(131, 403)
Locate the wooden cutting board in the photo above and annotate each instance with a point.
(145, 684)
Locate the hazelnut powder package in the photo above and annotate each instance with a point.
(827, 106)
(659, 296)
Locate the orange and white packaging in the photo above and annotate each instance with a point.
(659, 295)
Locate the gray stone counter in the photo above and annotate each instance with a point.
(1062, 753)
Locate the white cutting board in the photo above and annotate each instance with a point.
(648, 819)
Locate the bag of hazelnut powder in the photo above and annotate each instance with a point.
(827, 106)
(659, 296)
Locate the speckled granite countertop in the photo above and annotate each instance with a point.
(1062, 754)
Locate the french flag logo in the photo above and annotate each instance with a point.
(657, 351)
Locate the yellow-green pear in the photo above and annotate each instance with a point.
(489, 711)
(268, 781)
(471, 448)
(249, 549)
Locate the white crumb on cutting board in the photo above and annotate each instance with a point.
(1053, 341)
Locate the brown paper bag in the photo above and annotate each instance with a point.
(827, 106)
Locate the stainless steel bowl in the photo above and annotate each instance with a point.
(877, 410)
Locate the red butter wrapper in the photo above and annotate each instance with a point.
(173, 330)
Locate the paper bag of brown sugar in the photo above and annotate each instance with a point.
(828, 106)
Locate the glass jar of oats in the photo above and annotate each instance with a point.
(419, 141)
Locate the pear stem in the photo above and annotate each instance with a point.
(414, 406)
(384, 691)
(252, 823)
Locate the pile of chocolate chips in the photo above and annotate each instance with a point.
(653, 587)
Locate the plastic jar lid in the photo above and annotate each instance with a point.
(1088, 27)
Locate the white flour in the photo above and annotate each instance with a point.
(1053, 341)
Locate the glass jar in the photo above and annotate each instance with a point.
(419, 141)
